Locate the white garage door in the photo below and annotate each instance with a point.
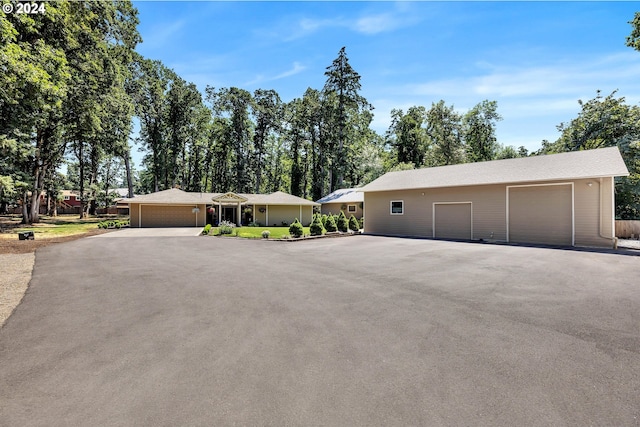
(541, 214)
(452, 221)
(168, 216)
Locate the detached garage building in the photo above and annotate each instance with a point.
(562, 199)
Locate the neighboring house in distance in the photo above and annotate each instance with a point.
(564, 199)
(70, 199)
(177, 208)
(349, 200)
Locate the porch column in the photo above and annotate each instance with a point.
(219, 213)
(239, 223)
(267, 215)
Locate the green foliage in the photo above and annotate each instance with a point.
(323, 219)
(296, 229)
(266, 234)
(226, 227)
(353, 224)
(113, 224)
(207, 229)
(330, 224)
(317, 228)
(605, 122)
(634, 38)
(342, 223)
(479, 131)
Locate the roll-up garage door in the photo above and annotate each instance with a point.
(167, 216)
(541, 214)
(452, 221)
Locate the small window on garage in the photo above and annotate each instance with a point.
(397, 207)
(351, 208)
(66, 197)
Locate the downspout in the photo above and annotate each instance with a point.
(614, 239)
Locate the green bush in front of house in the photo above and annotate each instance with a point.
(207, 229)
(353, 224)
(331, 224)
(226, 227)
(296, 229)
(316, 228)
(342, 223)
(323, 219)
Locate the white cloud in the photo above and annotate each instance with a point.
(162, 34)
(260, 78)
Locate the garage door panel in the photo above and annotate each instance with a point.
(452, 221)
(541, 214)
(168, 216)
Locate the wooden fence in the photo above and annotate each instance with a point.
(627, 229)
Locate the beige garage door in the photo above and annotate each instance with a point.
(541, 215)
(452, 221)
(168, 216)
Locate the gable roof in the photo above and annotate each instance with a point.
(177, 197)
(344, 195)
(603, 162)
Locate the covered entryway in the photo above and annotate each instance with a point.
(229, 207)
(453, 220)
(540, 214)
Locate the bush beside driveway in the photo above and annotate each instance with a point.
(361, 331)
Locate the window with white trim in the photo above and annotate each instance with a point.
(351, 208)
(66, 197)
(397, 207)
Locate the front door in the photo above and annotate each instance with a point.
(229, 214)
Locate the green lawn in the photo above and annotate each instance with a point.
(256, 232)
(50, 227)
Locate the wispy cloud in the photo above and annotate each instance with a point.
(162, 34)
(260, 78)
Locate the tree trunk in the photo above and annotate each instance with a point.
(127, 166)
(25, 210)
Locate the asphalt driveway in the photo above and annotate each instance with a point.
(357, 331)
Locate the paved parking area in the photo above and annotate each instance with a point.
(359, 331)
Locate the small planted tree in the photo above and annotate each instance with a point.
(316, 228)
(330, 225)
(342, 223)
(353, 224)
(324, 220)
(295, 229)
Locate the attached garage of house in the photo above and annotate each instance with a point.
(561, 199)
(158, 215)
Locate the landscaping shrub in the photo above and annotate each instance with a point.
(266, 234)
(316, 228)
(324, 220)
(342, 223)
(207, 229)
(331, 224)
(226, 227)
(295, 229)
(353, 224)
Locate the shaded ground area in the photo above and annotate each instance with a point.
(359, 331)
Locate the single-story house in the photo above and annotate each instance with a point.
(349, 200)
(562, 199)
(177, 208)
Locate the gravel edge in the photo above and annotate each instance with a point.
(14, 281)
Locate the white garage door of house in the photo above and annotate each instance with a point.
(167, 216)
(541, 214)
(452, 221)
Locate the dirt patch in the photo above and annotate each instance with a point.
(16, 274)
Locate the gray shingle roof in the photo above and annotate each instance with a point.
(344, 195)
(602, 162)
(177, 196)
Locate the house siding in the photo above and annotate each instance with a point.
(280, 213)
(489, 210)
(335, 208)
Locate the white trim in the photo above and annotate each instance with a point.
(433, 215)
(355, 209)
(573, 209)
(300, 214)
(613, 210)
(266, 216)
(391, 202)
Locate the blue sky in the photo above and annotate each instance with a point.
(536, 59)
